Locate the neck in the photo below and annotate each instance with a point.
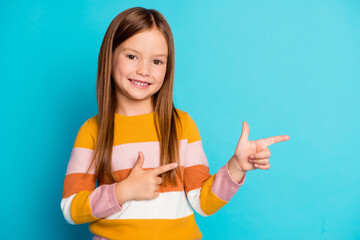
(133, 108)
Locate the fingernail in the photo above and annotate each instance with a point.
(250, 160)
(252, 156)
(175, 164)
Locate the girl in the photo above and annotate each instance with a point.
(146, 155)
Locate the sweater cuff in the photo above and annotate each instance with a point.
(113, 200)
(224, 186)
(103, 201)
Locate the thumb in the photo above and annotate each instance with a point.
(245, 132)
(140, 161)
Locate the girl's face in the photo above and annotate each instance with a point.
(139, 67)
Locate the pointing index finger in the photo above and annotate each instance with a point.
(271, 140)
(164, 168)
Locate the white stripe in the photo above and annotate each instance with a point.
(194, 199)
(65, 207)
(169, 205)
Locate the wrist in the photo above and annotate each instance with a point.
(122, 192)
(236, 172)
(234, 165)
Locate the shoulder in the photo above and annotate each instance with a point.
(190, 130)
(184, 116)
(93, 124)
(87, 133)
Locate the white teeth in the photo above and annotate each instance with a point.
(139, 83)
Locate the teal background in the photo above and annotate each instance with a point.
(285, 67)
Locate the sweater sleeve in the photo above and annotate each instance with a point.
(206, 193)
(81, 201)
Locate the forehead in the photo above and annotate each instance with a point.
(150, 41)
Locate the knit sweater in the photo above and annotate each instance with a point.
(170, 215)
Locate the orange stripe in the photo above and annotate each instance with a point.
(76, 182)
(133, 131)
(195, 176)
(80, 208)
(192, 132)
(150, 229)
(87, 134)
(121, 175)
(209, 202)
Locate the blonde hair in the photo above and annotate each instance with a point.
(123, 26)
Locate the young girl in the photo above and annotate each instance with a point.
(146, 155)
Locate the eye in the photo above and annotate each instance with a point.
(158, 62)
(132, 57)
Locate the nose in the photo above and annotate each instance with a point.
(143, 68)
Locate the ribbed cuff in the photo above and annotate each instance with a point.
(224, 186)
(103, 201)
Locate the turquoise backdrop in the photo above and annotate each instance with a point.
(285, 67)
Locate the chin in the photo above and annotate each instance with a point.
(140, 98)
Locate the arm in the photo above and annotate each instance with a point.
(206, 193)
(81, 201)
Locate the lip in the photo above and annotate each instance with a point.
(138, 86)
(139, 80)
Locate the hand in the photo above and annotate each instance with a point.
(241, 160)
(141, 184)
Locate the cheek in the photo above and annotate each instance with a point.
(122, 68)
(160, 74)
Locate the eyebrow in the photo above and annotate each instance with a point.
(156, 55)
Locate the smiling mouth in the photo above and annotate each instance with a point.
(139, 83)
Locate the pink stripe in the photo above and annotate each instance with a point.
(96, 237)
(195, 154)
(124, 156)
(80, 160)
(223, 186)
(103, 202)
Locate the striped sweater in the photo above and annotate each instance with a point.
(170, 215)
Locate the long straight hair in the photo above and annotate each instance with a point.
(123, 26)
